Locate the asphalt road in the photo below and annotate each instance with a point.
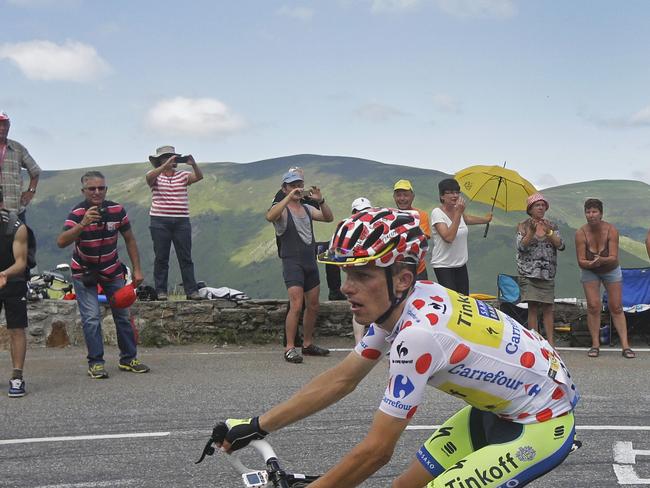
(157, 423)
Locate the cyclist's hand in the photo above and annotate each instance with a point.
(234, 434)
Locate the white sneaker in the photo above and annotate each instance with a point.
(16, 388)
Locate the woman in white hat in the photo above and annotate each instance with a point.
(170, 217)
(538, 241)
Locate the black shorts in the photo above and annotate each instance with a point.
(302, 273)
(14, 303)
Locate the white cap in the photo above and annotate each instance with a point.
(361, 203)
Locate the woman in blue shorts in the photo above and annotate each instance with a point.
(597, 251)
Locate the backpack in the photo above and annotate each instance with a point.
(10, 231)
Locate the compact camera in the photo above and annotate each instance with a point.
(90, 277)
(182, 159)
(305, 193)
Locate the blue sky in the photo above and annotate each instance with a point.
(558, 90)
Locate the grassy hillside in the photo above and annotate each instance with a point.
(235, 246)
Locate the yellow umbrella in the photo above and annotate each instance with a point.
(495, 185)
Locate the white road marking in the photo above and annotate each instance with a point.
(348, 349)
(625, 454)
(136, 435)
(82, 438)
(578, 427)
(92, 484)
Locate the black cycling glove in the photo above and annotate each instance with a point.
(239, 432)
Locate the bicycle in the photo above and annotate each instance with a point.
(273, 476)
(50, 284)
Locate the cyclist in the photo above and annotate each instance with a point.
(518, 423)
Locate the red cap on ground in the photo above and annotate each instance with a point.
(124, 297)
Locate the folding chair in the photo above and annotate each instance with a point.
(509, 298)
(636, 302)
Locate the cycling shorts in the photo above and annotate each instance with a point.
(302, 273)
(475, 448)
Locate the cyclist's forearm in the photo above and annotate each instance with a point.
(323, 391)
(313, 397)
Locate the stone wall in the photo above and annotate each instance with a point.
(56, 323)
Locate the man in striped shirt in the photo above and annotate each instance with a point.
(13, 159)
(170, 218)
(93, 226)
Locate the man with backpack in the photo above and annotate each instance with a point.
(13, 291)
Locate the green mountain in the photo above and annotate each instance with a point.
(233, 245)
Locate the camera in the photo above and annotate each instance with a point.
(90, 277)
(103, 211)
(182, 159)
(305, 193)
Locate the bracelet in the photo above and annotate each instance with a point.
(550, 233)
(321, 202)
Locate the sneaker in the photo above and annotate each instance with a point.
(97, 371)
(194, 296)
(292, 356)
(16, 388)
(162, 296)
(335, 295)
(135, 366)
(314, 350)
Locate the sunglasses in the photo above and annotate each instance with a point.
(93, 189)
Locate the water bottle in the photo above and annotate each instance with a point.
(604, 334)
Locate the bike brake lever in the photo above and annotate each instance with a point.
(208, 450)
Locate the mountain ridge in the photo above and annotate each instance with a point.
(234, 246)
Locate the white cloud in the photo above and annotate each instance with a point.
(641, 118)
(378, 6)
(641, 175)
(545, 180)
(300, 13)
(455, 8)
(446, 103)
(194, 116)
(478, 8)
(45, 60)
(378, 112)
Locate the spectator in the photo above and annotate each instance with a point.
(293, 222)
(92, 226)
(403, 194)
(170, 218)
(538, 241)
(359, 330)
(597, 252)
(14, 157)
(331, 272)
(13, 291)
(449, 231)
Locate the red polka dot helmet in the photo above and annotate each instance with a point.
(381, 235)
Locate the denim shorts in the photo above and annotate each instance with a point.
(613, 276)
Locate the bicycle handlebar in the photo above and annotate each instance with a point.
(273, 475)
